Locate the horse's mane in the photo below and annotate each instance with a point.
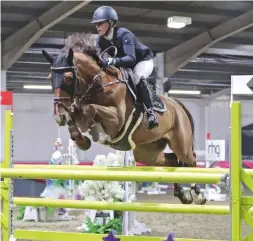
(81, 43)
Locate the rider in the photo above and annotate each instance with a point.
(131, 54)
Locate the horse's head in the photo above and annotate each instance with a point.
(78, 79)
(63, 79)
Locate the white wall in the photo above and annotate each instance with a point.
(35, 129)
(219, 117)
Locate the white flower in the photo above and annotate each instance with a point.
(110, 199)
(92, 192)
(105, 190)
(120, 194)
(99, 160)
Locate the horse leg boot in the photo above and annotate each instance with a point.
(83, 142)
(198, 197)
(144, 95)
(184, 196)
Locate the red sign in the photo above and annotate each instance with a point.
(6, 98)
(208, 135)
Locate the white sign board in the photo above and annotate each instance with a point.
(241, 84)
(215, 150)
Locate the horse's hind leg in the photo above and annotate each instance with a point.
(184, 196)
(198, 197)
(182, 145)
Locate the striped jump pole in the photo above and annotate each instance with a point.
(239, 205)
(6, 185)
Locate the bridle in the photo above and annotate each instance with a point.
(76, 99)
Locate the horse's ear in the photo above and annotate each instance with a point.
(70, 57)
(48, 56)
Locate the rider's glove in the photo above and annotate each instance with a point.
(107, 62)
(111, 61)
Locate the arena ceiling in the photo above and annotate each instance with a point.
(203, 55)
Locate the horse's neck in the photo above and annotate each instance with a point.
(86, 66)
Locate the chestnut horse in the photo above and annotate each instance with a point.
(102, 104)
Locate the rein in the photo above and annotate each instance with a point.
(75, 99)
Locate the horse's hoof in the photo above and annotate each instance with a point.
(198, 198)
(84, 144)
(201, 200)
(184, 197)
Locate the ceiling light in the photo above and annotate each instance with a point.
(38, 87)
(178, 22)
(185, 92)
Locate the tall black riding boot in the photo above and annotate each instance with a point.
(144, 95)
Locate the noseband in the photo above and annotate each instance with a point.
(76, 99)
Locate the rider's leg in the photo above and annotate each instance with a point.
(141, 72)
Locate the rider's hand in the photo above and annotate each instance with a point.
(106, 62)
(111, 61)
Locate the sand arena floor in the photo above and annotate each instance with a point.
(197, 226)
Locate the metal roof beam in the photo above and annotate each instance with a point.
(201, 76)
(231, 49)
(155, 47)
(170, 7)
(26, 36)
(32, 12)
(27, 74)
(218, 94)
(181, 82)
(156, 37)
(219, 68)
(182, 54)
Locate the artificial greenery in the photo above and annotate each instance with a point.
(21, 210)
(51, 211)
(113, 225)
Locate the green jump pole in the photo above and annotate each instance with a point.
(130, 168)
(6, 184)
(235, 172)
(141, 176)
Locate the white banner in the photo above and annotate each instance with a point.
(215, 150)
(240, 84)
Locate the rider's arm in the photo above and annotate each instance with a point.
(129, 49)
(99, 50)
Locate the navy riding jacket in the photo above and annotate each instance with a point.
(130, 50)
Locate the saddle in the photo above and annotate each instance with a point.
(128, 77)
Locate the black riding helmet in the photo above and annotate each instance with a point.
(105, 13)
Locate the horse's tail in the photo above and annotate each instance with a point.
(190, 118)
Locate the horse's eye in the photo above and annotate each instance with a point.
(68, 78)
(69, 75)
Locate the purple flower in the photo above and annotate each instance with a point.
(170, 237)
(111, 237)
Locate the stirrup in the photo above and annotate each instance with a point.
(152, 123)
(150, 113)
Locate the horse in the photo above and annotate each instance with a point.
(101, 104)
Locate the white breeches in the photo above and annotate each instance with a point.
(143, 69)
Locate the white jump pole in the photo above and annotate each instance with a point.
(70, 158)
(125, 225)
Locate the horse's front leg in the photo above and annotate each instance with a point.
(89, 114)
(108, 117)
(83, 142)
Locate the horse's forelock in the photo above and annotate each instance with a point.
(81, 42)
